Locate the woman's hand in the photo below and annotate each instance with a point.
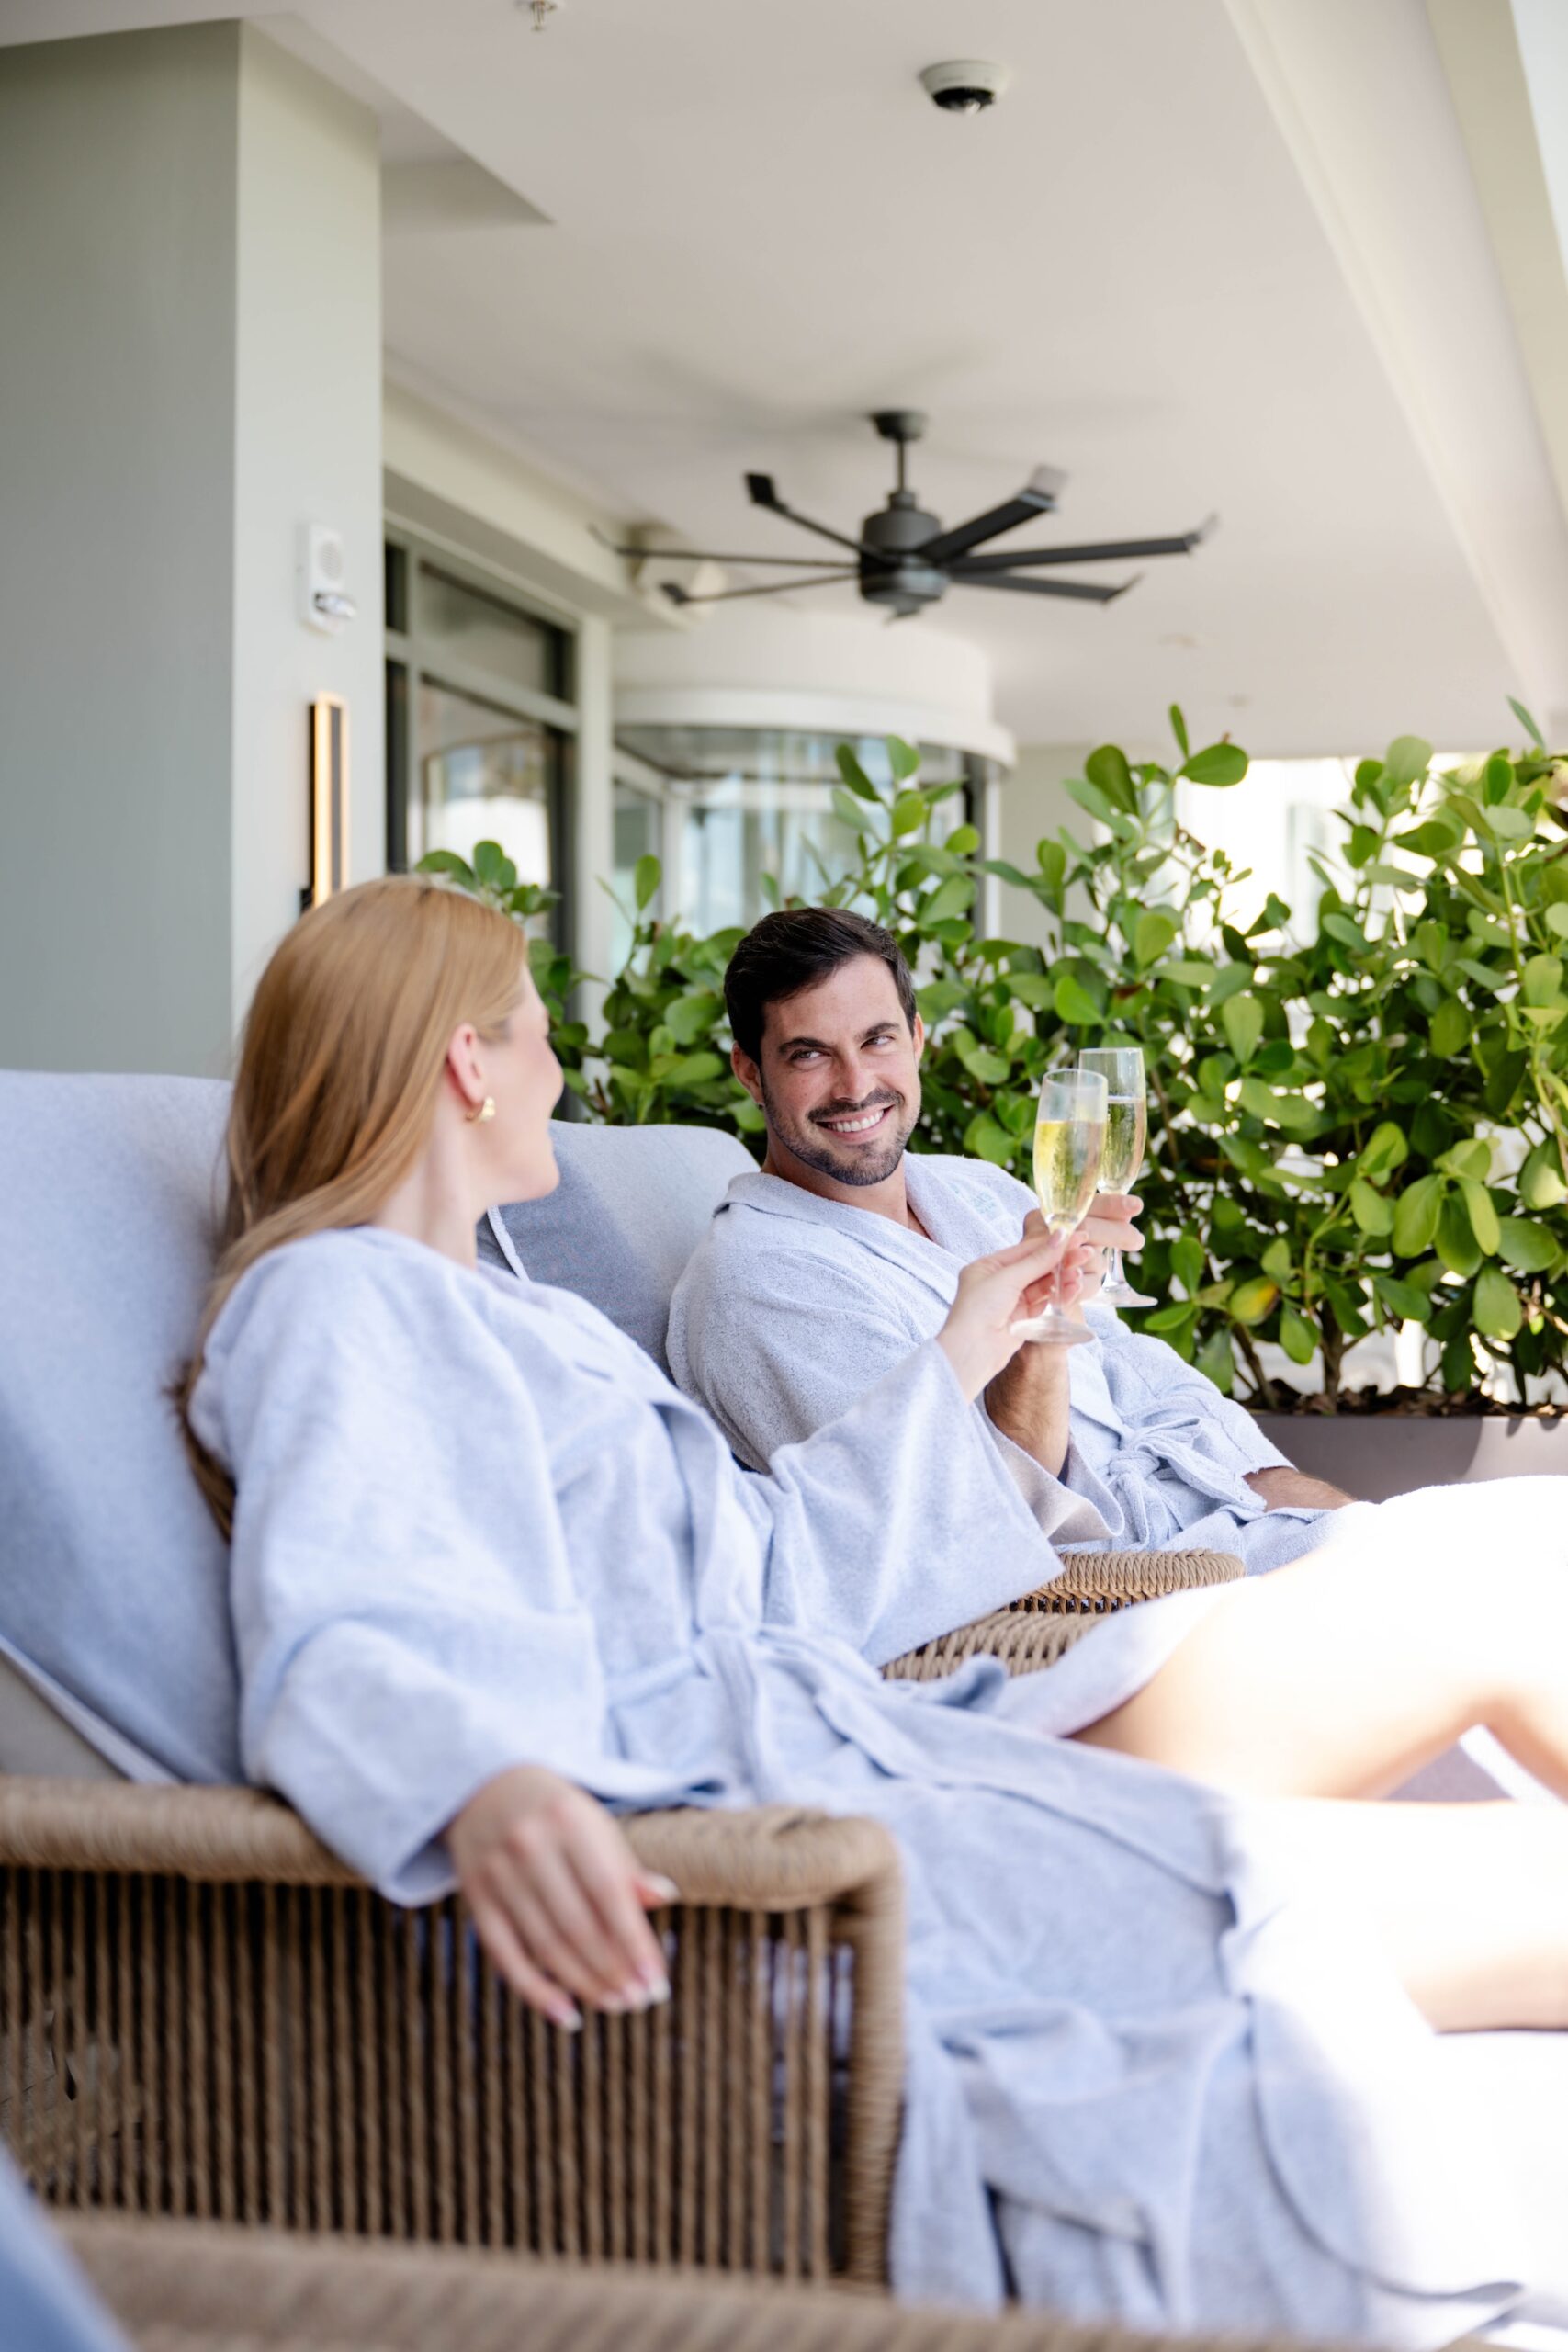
(995, 1294)
(557, 1895)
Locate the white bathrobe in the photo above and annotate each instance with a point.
(792, 1305)
(1149, 2075)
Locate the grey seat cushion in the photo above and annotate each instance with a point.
(108, 1197)
(107, 1202)
(632, 1205)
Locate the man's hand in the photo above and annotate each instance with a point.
(1108, 1226)
(557, 1895)
(1285, 1486)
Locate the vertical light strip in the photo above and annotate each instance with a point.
(329, 797)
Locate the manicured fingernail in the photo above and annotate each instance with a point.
(568, 2019)
(665, 1888)
(656, 1989)
(618, 2004)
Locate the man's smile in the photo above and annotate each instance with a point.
(855, 1123)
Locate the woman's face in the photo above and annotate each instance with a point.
(523, 1076)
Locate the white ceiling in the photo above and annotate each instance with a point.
(758, 228)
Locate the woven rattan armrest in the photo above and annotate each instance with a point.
(1035, 1630)
(203, 2012)
(177, 2288)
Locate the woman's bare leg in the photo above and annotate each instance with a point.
(1342, 1674)
(1469, 1901)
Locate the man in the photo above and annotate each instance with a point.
(842, 1254)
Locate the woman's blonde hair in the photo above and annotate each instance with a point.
(340, 1073)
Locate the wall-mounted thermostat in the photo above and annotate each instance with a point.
(324, 602)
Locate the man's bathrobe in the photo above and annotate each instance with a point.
(793, 1306)
(1148, 2076)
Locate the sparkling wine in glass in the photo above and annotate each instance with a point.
(1070, 1135)
(1122, 1067)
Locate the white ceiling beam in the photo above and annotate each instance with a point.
(1364, 105)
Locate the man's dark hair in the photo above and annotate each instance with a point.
(796, 949)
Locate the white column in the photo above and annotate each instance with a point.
(189, 231)
(592, 815)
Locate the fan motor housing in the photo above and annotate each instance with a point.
(900, 528)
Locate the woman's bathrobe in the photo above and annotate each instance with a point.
(1147, 2078)
(792, 1305)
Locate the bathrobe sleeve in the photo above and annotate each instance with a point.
(896, 1522)
(405, 1619)
(1159, 1396)
(777, 1343)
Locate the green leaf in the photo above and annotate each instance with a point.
(964, 840)
(646, 877)
(1296, 1335)
(1033, 988)
(1541, 979)
(1471, 1157)
(693, 1016)
(902, 758)
(1509, 824)
(1528, 1247)
(1180, 1316)
(1449, 1032)
(1457, 1245)
(1496, 1310)
(1540, 1180)
(854, 776)
(1557, 918)
(493, 868)
(942, 997)
(1405, 1299)
(1527, 723)
(1483, 1215)
(1371, 1211)
(1217, 763)
(684, 1069)
(1242, 1020)
(852, 812)
(1217, 1361)
(1106, 767)
(1386, 1150)
(1276, 1259)
(1188, 972)
(1178, 729)
(1407, 757)
(1152, 934)
(447, 860)
(908, 813)
(989, 1140)
(950, 897)
(1090, 798)
(1251, 1301)
(1348, 933)
(991, 1069)
(1074, 1003)
(1415, 1216)
(1188, 1261)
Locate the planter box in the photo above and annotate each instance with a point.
(1373, 1456)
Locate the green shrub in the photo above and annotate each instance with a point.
(1348, 1130)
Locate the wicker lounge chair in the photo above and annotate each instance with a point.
(203, 2014)
(177, 2289)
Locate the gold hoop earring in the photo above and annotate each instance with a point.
(482, 1112)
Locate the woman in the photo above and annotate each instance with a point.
(1170, 2010)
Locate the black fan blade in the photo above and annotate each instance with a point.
(1084, 589)
(772, 588)
(1106, 551)
(706, 555)
(1037, 497)
(760, 489)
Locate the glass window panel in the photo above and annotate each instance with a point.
(484, 633)
(749, 801)
(636, 821)
(483, 775)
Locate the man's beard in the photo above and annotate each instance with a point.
(815, 1148)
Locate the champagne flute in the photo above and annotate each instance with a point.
(1122, 1067)
(1069, 1134)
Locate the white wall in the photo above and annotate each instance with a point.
(1033, 802)
(116, 390)
(307, 449)
(190, 366)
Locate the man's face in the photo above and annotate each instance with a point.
(839, 1077)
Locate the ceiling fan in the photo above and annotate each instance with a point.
(904, 560)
